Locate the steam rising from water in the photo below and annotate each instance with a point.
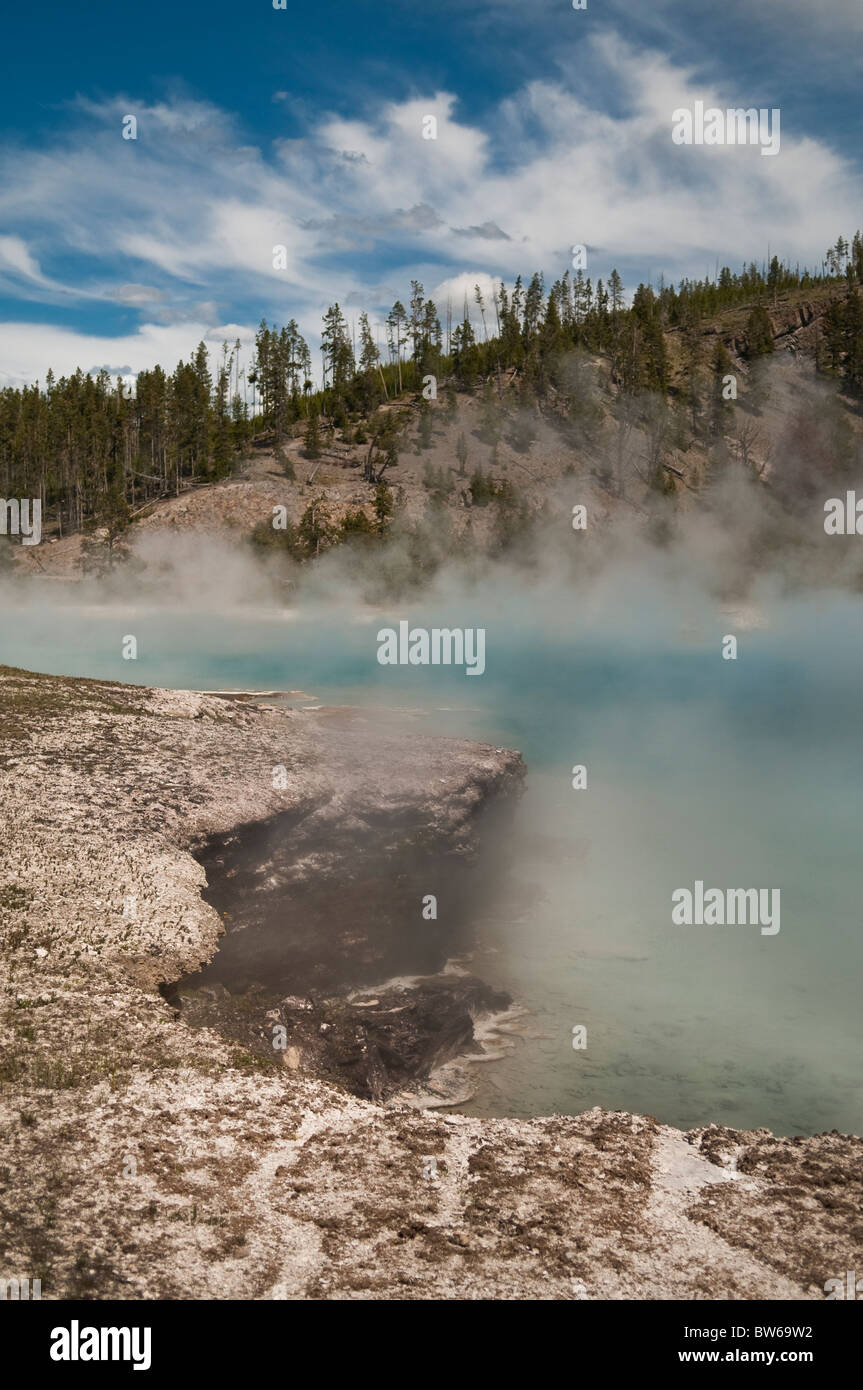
(741, 773)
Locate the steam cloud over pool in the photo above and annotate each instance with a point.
(732, 773)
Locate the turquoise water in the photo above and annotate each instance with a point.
(742, 774)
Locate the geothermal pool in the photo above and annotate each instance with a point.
(741, 774)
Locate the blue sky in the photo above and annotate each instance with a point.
(260, 127)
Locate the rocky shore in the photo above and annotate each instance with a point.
(155, 1144)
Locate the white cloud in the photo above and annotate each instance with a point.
(370, 202)
(459, 287)
(15, 256)
(27, 350)
(136, 294)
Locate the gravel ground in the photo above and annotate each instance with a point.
(142, 1157)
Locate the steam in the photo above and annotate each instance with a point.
(603, 648)
(746, 515)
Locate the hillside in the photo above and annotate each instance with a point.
(494, 459)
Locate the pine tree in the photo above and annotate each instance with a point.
(759, 332)
(615, 294)
(415, 321)
(337, 351)
(222, 425)
(312, 437)
(316, 530)
(383, 507)
(105, 543)
(356, 525)
(395, 323)
(86, 436)
(532, 310)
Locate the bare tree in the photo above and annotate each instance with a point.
(752, 450)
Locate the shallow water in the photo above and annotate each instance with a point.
(742, 774)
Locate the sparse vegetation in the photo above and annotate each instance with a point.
(97, 452)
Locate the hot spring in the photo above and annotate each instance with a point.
(739, 773)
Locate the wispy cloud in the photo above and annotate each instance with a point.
(179, 226)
